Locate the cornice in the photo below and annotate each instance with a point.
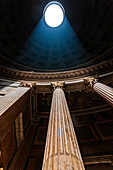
(98, 69)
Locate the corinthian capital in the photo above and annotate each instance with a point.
(60, 84)
(27, 84)
(89, 82)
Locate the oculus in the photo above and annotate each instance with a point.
(54, 14)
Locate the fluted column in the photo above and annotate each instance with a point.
(103, 90)
(61, 150)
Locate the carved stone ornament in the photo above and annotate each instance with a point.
(89, 82)
(105, 66)
(60, 84)
(27, 84)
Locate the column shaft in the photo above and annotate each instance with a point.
(104, 91)
(61, 150)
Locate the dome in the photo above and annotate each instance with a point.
(27, 44)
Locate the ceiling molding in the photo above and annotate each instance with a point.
(98, 69)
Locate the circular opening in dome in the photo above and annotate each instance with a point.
(54, 14)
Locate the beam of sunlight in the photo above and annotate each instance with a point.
(50, 48)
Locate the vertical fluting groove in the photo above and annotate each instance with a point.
(66, 122)
(53, 137)
(60, 133)
(74, 142)
(61, 150)
(73, 132)
(103, 85)
(104, 91)
(57, 153)
(68, 126)
(63, 137)
(69, 118)
(68, 131)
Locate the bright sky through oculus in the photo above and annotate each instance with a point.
(54, 15)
